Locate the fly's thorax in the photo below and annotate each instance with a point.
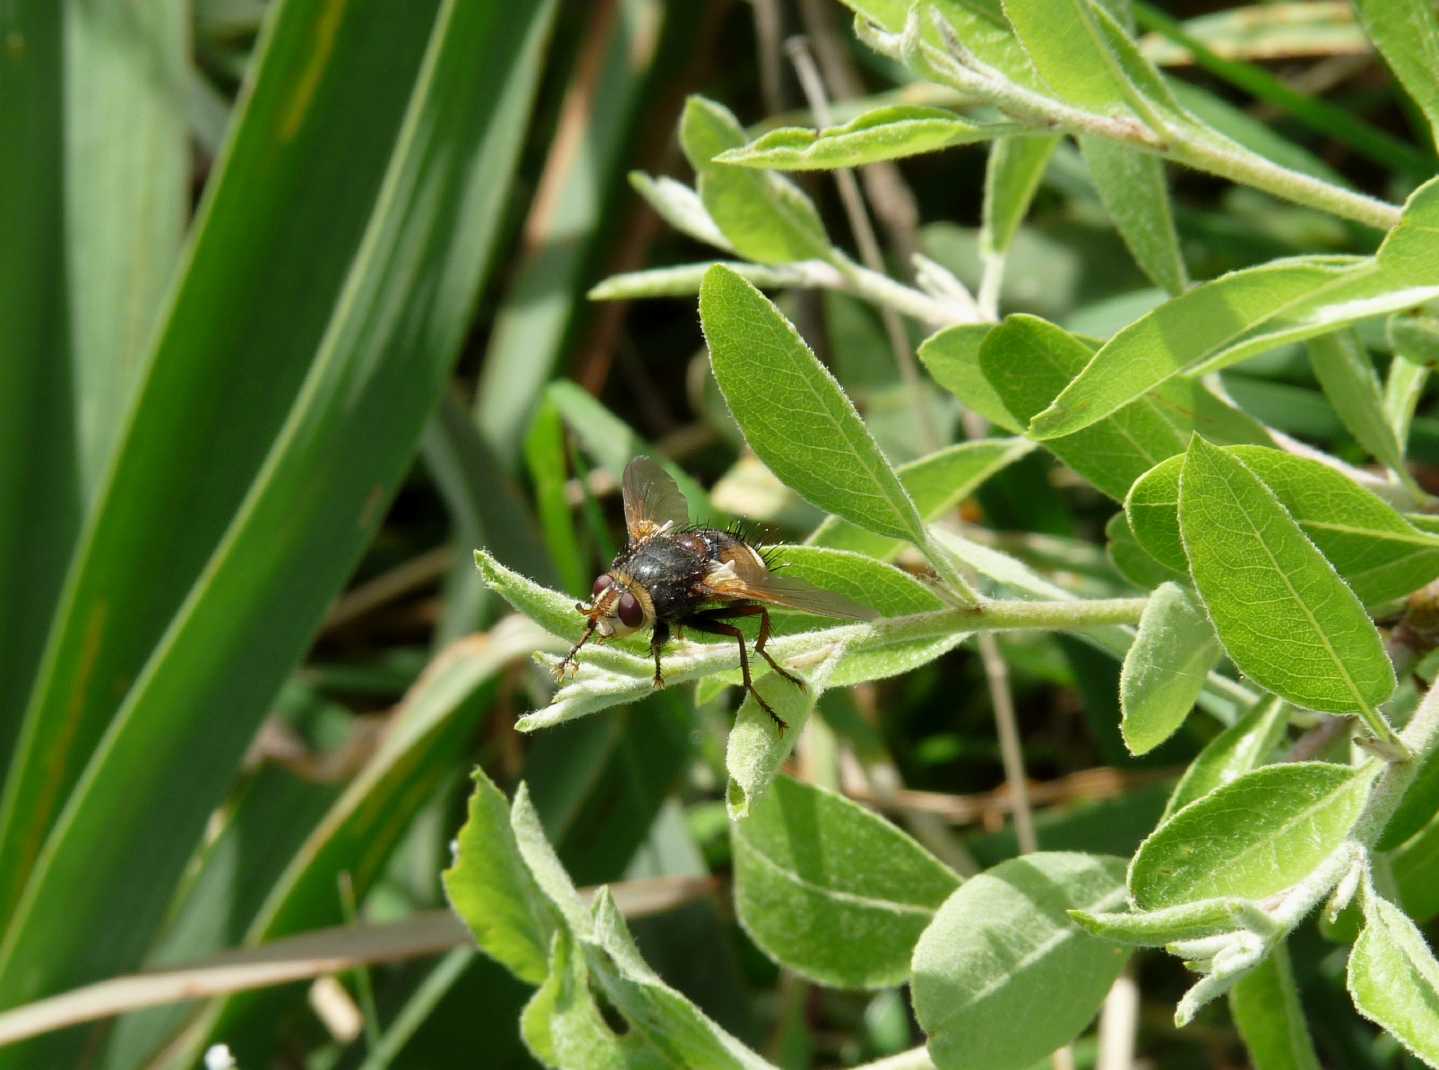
(669, 569)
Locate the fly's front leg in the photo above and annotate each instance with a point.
(658, 638)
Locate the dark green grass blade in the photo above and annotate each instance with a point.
(134, 818)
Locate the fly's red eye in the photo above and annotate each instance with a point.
(601, 583)
(630, 612)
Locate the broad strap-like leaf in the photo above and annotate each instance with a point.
(1135, 193)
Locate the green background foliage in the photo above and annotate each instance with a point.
(1085, 343)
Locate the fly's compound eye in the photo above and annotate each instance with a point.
(601, 582)
(630, 612)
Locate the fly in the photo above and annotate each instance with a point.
(672, 575)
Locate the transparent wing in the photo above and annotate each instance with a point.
(652, 500)
(743, 578)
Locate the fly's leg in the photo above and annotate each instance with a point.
(658, 638)
(750, 609)
(714, 623)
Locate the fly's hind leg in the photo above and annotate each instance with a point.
(714, 623)
(658, 638)
(752, 609)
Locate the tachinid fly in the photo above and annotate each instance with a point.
(671, 576)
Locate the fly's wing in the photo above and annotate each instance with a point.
(743, 575)
(652, 500)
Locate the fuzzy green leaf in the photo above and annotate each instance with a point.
(952, 357)
(888, 133)
(1016, 164)
(490, 887)
(1133, 561)
(1249, 311)
(1155, 928)
(680, 207)
(1182, 332)
(1285, 617)
(1394, 980)
(764, 216)
(1243, 746)
(1380, 554)
(794, 414)
(1165, 669)
(1346, 373)
(1071, 54)
(1406, 32)
(1266, 1009)
(1028, 361)
(676, 1028)
(797, 885)
(1003, 945)
(1135, 193)
(1253, 837)
(937, 483)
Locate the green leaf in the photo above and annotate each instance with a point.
(1380, 553)
(952, 357)
(1182, 332)
(666, 1018)
(1246, 312)
(1073, 56)
(1266, 1009)
(1016, 164)
(937, 483)
(764, 216)
(685, 280)
(887, 590)
(1003, 945)
(1406, 32)
(1244, 745)
(1165, 669)
(1284, 615)
(1394, 980)
(126, 201)
(1135, 193)
(794, 414)
(680, 207)
(1415, 343)
(1133, 561)
(1417, 806)
(353, 317)
(1251, 838)
(1155, 928)
(1346, 373)
(888, 133)
(489, 886)
(563, 1026)
(796, 887)
(1028, 361)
